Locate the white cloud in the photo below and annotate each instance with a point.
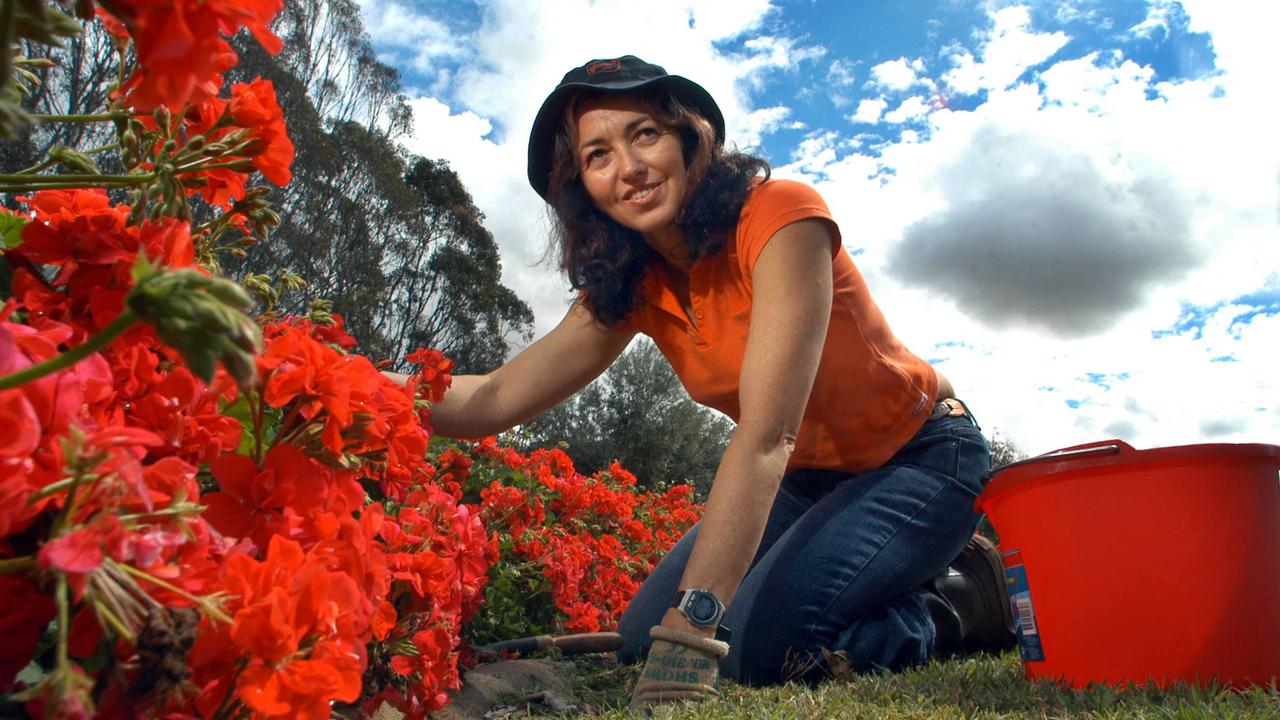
(840, 73)
(869, 110)
(766, 120)
(413, 38)
(1010, 49)
(839, 84)
(913, 108)
(1244, 44)
(1074, 10)
(1110, 88)
(814, 152)
(1158, 17)
(899, 74)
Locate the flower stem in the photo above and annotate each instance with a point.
(99, 341)
(102, 148)
(70, 504)
(203, 602)
(80, 118)
(36, 168)
(109, 617)
(54, 488)
(258, 412)
(73, 177)
(64, 620)
(229, 702)
(14, 566)
(49, 162)
(237, 165)
(29, 187)
(184, 510)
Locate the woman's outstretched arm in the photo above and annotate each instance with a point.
(551, 369)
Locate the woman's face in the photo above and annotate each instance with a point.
(631, 165)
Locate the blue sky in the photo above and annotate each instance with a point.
(1072, 208)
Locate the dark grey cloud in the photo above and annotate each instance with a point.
(1122, 429)
(1036, 234)
(1220, 427)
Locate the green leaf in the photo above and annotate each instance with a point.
(11, 228)
(241, 410)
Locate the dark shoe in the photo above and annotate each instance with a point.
(974, 588)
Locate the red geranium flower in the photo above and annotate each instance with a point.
(253, 112)
(180, 45)
(258, 504)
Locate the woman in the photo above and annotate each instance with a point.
(847, 487)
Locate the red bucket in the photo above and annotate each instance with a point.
(1144, 566)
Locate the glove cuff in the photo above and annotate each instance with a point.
(710, 646)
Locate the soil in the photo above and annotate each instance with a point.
(508, 688)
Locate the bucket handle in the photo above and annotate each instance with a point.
(1102, 447)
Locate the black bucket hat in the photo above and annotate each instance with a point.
(622, 74)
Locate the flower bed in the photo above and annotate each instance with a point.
(206, 514)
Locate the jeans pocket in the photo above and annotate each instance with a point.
(973, 461)
(952, 448)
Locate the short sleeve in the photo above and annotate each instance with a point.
(772, 206)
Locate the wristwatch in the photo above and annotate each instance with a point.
(701, 607)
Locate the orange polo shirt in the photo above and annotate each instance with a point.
(870, 395)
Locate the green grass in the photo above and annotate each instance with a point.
(976, 687)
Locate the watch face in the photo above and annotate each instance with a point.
(703, 609)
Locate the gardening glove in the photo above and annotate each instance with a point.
(681, 666)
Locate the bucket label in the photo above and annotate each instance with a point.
(1029, 645)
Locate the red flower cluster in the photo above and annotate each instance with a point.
(250, 120)
(102, 466)
(594, 538)
(88, 240)
(440, 554)
(294, 624)
(182, 51)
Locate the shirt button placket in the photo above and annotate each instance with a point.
(695, 299)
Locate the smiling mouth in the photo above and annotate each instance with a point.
(641, 195)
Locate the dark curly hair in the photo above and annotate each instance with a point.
(606, 260)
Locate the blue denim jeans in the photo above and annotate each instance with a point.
(841, 562)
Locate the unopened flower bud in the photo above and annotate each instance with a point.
(73, 160)
(35, 62)
(163, 117)
(199, 316)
